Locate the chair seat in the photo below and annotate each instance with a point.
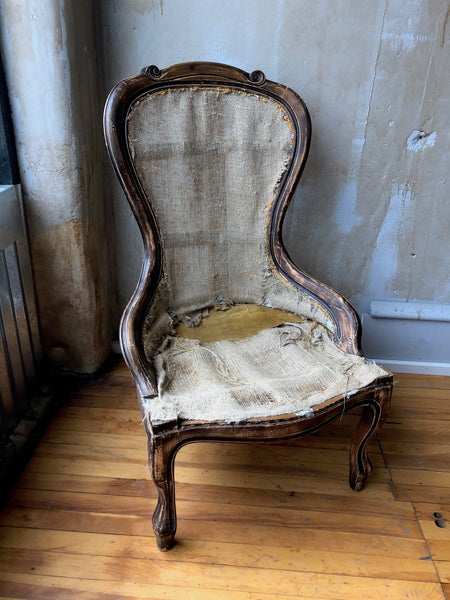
(251, 362)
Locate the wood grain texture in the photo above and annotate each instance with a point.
(266, 522)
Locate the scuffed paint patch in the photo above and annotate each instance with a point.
(345, 213)
(404, 40)
(419, 140)
(385, 262)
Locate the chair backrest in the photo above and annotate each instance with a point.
(212, 160)
(211, 154)
(209, 157)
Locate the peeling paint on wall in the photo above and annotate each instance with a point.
(384, 262)
(418, 140)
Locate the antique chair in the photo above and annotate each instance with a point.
(226, 338)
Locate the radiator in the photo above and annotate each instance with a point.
(20, 348)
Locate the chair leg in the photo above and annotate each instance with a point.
(360, 465)
(161, 464)
(372, 417)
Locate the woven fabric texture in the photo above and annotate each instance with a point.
(211, 162)
(290, 368)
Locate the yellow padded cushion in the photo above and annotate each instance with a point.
(235, 322)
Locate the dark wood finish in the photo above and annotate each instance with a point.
(163, 446)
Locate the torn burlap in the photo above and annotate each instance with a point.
(211, 161)
(281, 370)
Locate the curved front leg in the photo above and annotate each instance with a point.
(161, 463)
(372, 417)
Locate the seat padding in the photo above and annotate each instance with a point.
(224, 322)
(260, 371)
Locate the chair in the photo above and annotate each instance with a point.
(227, 339)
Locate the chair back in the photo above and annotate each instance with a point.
(211, 157)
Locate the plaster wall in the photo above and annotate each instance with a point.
(50, 63)
(371, 214)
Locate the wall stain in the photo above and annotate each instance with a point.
(446, 29)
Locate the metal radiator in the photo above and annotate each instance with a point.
(20, 348)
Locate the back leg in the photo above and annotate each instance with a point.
(372, 417)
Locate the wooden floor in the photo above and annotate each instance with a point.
(256, 522)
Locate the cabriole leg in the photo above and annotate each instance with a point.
(360, 465)
(372, 417)
(161, 462)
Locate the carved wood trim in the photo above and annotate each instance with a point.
(280, 427)
(165, 443)
(374, 401)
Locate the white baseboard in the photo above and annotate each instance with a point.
(420, 368)
(408, 337)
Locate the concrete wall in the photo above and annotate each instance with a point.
(50, 62)
(372, 212)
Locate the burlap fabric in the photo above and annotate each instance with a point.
(285, 369)
(211, 162)
(289, 368)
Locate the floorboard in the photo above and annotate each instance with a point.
(256, 521)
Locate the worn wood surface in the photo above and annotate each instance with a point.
(260, 521)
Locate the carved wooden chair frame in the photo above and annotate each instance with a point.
(163, 446)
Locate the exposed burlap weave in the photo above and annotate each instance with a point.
(285, 369)
(211, 162)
